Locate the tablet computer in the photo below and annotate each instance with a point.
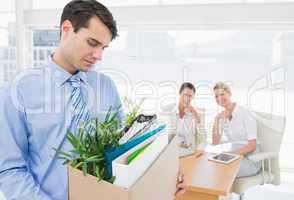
(225, 158)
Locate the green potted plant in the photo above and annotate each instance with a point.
(133, 110)
(89, 148)
(88, 153)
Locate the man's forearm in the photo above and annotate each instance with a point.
(216, 136)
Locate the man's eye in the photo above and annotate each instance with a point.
(92, 43)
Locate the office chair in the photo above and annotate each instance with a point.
(270, 130)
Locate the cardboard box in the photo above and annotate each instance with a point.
(157, 183)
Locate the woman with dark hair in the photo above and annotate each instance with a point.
(188, 117)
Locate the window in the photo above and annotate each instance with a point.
(7, 42)
(44, 42)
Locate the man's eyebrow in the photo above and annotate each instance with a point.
(94, 40)
(98, 42)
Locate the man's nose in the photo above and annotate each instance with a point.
(97, 54)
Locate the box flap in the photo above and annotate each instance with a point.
(159, 182)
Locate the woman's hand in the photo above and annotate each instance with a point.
(182, 110)
(181, 184)
(195, 113)
(184, 106)
(224, 115)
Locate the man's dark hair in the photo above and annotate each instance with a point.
(79, 12)
(187, 85)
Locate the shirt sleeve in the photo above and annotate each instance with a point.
(16, 181)
(180, 126)
(250, 125)
(117, 104)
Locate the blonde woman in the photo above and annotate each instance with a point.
(237, 124)
(188, 117)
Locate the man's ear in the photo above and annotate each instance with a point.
(66, 29)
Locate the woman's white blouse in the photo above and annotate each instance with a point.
(186, 129)
(241, 128)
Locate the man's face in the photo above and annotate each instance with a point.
(81, 50)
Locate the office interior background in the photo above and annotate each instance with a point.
(162, 43)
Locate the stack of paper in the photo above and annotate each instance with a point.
(112, 154)
(139, 126)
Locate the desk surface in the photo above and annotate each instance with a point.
(207, 176)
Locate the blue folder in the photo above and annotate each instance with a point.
(113, 153)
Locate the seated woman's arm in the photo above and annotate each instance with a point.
(250, 147)
(181, 108)
(216, 134)
(251, 129)
(196, 114)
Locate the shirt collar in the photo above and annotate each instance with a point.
(235, 111)
(60, 75)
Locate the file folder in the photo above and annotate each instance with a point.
(113, 153)
(127, 174)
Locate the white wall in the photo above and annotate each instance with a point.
(247, 60)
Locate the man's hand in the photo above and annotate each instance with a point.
(181, 184)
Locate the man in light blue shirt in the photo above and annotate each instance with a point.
(35, 107)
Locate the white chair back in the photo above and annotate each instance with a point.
(270, 129)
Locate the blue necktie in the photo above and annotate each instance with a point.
(78, 103)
